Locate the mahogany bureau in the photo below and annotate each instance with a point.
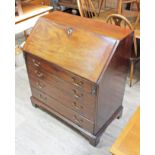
(77, 69)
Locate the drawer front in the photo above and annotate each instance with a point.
(69, 89)
(78, 82)
(82, 106)
(64, 111)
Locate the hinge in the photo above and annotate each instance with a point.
(94, 90)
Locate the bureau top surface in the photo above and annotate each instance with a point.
(76, 44)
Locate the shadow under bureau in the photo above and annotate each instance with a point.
(77, 69)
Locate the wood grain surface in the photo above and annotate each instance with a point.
(128, 143)
(73, 52)
(70, 65)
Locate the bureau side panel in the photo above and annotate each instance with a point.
(112, 84)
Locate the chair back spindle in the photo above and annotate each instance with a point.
(123, 22)
(119, 20)
(86, 8)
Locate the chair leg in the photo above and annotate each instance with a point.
(135, 45)
(100, 6)
(131, 72)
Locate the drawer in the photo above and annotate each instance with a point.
(40, 74)
(78, 82)
(63, 110)
(82, 104)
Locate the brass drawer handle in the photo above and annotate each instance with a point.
(43, 97)
(77, 121)
(36, 63)
(75, 105)
(76, 95)
(39, 74)
(76, 82)
(39, 85)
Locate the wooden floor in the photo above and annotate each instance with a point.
(38, 133)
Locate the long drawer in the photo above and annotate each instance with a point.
(63, 110)
(61, 84)
(73, 79)
(83, 107)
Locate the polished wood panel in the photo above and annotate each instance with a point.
(63, 110)
(73, 59)
(71, 95)
(88, 25)
(111, 91)
(82, 105)
(67, 63)
(60, 74)
(129, 140)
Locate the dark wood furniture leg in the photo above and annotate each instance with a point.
(34, 105)
(131, 72)
(120, 114)
(93, 141)
(132, 61)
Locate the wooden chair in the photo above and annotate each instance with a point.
(118, 7)
(131, 2)
(132, 13)
(86, 8)
(119, 20)
(123, 22)
(107, 5)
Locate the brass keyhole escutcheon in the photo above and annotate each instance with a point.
(69, 31)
